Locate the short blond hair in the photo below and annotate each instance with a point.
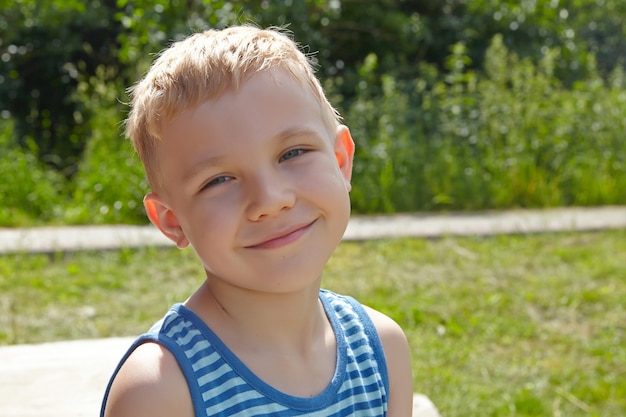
(204, 66)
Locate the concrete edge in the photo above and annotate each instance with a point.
(70, 238)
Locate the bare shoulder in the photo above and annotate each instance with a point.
(398, 358)
(150, 383)
(388, 330)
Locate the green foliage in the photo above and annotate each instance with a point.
(110, 183)
(454, 105)
(46, 47)
(28, 191)
(514, 137)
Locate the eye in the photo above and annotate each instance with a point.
(216, 181)
(292, 153)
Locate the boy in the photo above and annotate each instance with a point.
(249, 165)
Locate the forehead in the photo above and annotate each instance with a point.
(268, 96)
(260, 87)
(265, 106)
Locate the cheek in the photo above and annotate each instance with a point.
(208, 220)
(335, 177)
(329, 187)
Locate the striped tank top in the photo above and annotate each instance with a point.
(221, 385)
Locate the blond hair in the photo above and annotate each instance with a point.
(202, 67)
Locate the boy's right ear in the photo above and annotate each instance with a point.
(165, 219)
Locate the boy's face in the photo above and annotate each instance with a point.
(256, 184)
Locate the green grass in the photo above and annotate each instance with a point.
(499, 326)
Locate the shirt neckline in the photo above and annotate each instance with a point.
(327, 396)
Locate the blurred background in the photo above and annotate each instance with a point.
(454, 104)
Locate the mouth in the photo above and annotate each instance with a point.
(283, 237)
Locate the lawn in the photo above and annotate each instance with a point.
(499, 326)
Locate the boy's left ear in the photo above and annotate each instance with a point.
(344, 152)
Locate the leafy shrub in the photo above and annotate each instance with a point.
(110, 183)
(29, 191)
(460, 140)
(513, 137)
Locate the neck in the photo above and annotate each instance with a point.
(248, 319)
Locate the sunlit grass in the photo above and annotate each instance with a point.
(505, 326)
(499, 326)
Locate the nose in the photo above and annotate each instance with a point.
(269, 193)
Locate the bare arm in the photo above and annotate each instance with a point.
(398, 359)
(150, 383)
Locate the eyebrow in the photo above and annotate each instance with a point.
(201, 166)
(280, 138)
(295, 132)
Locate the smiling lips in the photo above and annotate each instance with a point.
(282, 238)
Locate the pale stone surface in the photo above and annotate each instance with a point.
(424, 407)
(57, 379)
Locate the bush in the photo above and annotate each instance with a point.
(29, 192)
(110, 183)
(460, 140)
(513, 137)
